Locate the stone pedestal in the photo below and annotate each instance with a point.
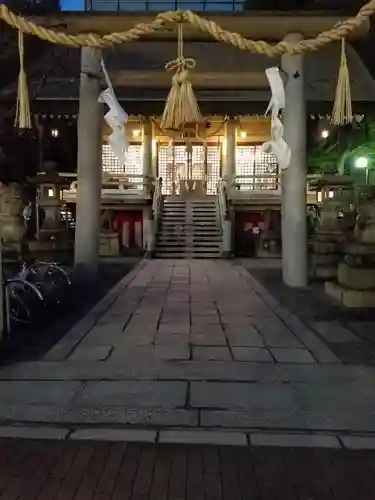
(109, 245)
(328, 241)
(355, 285)
(269, 245)
(12, 226)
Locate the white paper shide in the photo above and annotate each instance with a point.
(116, 118)
(276, 144)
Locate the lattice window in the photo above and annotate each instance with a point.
(181, 166)
(213, 167)
(256, 169)
(197, 162)
(132, 167)
(165, 169)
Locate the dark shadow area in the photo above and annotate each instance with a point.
(27, 343)
(310, 304)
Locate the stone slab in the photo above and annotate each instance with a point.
(358, 442)
(133, 394)
(203, 437)
(330, 420)
(302, 440)
(292, 355)
(240, 396)
(94, 353)
(96, 415)
(333, 332)
(38, 392)
(244, 338)
(257, 354)
(116, 435)
(33, 432)
(172, 329)
(211, 353)
(132, 369)
(208, 339)
(172, 352)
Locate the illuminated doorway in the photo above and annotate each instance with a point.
(187, 161)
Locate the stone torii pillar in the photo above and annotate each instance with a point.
(294, 179)
(89, 170)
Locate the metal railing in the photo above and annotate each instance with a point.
(164, 5)
(114, 187)
(248, 184)
(221, 200)
(157, 199)
(223, 218)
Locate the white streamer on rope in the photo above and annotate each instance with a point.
(277, 144)
(116, 118)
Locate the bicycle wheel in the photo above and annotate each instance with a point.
(24, 301)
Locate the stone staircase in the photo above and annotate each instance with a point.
(188, 229)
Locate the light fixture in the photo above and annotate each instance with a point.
(54, 132)
(361, 162)
(243, 134)
(324, 133)
(136, 132)
(51, 192)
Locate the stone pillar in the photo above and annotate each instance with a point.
(89, 172)
(147, 156)
(229, 153)
(147, 148)
(293, 180)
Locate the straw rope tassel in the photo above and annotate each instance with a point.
(23, 117)
(342, 109)
(181, 107)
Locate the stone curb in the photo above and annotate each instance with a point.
(74, 336)
(254, 439)
(316, 346)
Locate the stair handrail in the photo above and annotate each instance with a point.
(223, 218)
(222, 204)
(157, 199)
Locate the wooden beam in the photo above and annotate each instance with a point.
(212, 80)
(254, 25)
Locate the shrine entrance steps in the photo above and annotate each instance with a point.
(189, 229)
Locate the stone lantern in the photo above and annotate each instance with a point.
(49, 199)
(336, 211)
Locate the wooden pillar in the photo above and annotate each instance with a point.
(229, 152)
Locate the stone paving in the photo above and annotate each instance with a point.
(197, 345)
(49, 470)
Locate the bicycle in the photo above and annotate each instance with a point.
(36, 286)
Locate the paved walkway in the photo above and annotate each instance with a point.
(102, 471)
(192, 345)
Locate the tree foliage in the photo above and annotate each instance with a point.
(336, 153)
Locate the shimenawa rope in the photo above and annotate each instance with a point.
(181, 107)
(218, 33)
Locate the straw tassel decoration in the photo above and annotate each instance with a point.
(342, 109)
(23, 116)
(181, 107)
